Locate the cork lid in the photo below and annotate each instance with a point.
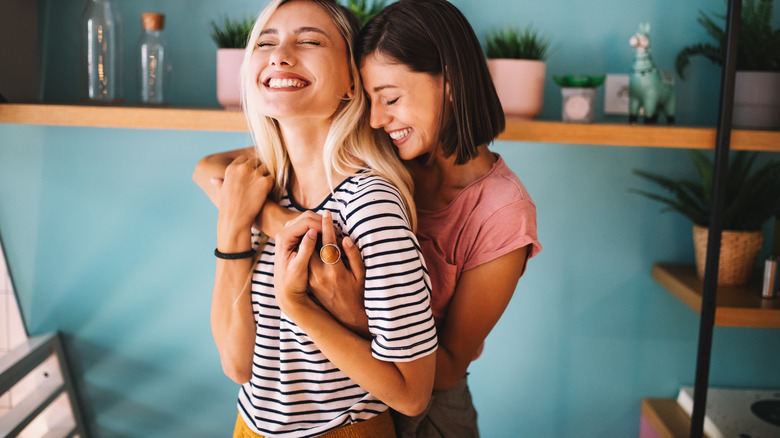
(153, 20)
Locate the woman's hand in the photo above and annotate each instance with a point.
(243, 193)
(294, 248)
(339, 287)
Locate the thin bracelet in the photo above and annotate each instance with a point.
(234, 255)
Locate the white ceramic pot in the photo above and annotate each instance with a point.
(519, 84)
(757, 100)
(228, 78)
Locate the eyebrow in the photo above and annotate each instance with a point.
(296, 31)
(383, 87)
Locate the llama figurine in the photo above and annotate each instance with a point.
(649, 90)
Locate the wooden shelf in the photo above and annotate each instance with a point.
(216, 119)
(199, 119)
(668, 419)
(740, 306)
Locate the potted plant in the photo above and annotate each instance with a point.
(757, 87)
(579, 96)
(231, 39)
(752, 198)
(365, 10)
(516, 60)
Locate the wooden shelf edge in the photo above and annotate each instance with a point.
(538, 131)
(668, 419)
(196, 119)
(735, 307)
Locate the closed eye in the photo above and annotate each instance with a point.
(392, 102)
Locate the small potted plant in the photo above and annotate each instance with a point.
(752, 198)
(364, 9)
(579, 96)
(516, 59)
(231, 39)
(757, 87)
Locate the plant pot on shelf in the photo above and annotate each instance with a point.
(229, 78)
(519, 84)
(738, 252)
(757, 100)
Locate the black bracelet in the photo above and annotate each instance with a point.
(234, 255)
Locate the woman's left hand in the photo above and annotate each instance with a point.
(294, 247)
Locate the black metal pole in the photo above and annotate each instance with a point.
(710, 288)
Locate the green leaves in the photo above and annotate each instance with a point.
(231, 34)
(512, 43)
(365, 10)
(751, 198)
(759, 44)
(579, 81)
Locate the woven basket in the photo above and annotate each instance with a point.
(738, 252)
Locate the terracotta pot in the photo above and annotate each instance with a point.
(757, 100)
(520, 85)
(738, 252)
(228, 78)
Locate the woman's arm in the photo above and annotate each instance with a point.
(209, 175)
(232, 320)
(213, 167)
(404, 386)
(480, 298)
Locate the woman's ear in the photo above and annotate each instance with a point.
(351, 92)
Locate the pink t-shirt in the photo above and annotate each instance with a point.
(491, 217)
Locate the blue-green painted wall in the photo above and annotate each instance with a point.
(109, 241)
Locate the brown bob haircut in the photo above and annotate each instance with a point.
(433, 36)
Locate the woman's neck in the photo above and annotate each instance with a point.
(305, 142)
(438, 183)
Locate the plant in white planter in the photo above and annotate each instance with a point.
(752, 198)
(757, 87)
(579, 96)
(231, 38)
(516, 60)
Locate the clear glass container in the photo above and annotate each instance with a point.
(101, 57)
(153, 61)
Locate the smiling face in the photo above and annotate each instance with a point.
(299, 66)
(405, 103)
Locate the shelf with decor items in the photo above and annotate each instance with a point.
(538, 131)
(736, 306)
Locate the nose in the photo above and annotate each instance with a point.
(379, 116)
(282, 56)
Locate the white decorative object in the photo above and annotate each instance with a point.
(733, 413)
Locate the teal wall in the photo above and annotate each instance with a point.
(109, 241)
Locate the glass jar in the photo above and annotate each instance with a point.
(101, 58)
(153, 60)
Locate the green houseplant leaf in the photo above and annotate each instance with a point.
(759, 44)
(752, 197)
(231, 34)
(365, 9)
(514, 43)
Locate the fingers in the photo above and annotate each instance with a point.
(352, 253)
(328, 232)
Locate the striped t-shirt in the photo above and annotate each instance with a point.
(295, 390)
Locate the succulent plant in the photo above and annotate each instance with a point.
(514, 43)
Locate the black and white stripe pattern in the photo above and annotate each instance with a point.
(295, 390)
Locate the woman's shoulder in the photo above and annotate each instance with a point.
(499, 188)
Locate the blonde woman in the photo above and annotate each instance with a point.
(302, 372)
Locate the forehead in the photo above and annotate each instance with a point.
(301, 14)
(379, 69)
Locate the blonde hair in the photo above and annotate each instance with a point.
(351, 145)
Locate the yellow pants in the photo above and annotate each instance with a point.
(380, 426)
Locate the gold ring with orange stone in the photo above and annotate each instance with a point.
(330, 254)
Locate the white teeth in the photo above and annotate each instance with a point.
(401, 133)
(285, 83)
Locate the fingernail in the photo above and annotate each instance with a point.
(348, 242)
(311, 234)
(216, 181)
